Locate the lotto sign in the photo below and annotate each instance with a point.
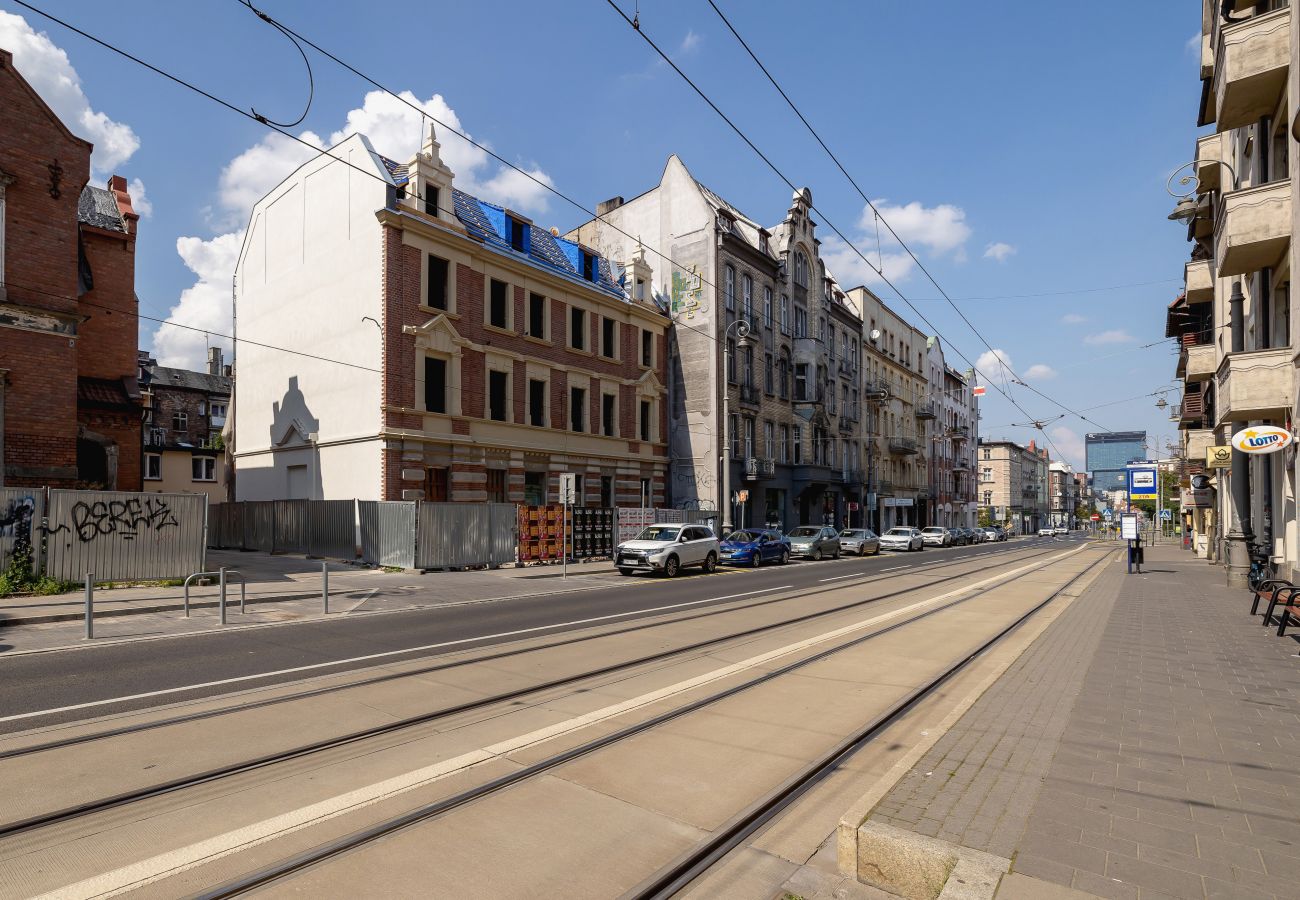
(1261, 439)
(1141, 483)
(978, 390)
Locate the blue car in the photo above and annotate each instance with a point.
(753, 548)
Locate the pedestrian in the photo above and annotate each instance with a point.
(1135, 552)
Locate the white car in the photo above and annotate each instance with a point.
(1047, 532)
(667, 549)
(902, 537)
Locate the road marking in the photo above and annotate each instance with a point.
(850, 575)
(168, 863)
(896, 568)
(370, 656)
(363, 600)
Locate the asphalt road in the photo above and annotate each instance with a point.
(109, 677)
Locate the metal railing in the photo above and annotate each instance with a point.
(222, 575)
(749, 393)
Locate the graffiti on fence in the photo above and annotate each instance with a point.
(127, 519)
(16, 523)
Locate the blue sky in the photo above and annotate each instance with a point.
(1019, 150)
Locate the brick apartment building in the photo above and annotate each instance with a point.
(184, 414)
(461, 351)
(69, 401)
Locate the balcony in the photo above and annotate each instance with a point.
(759, 467)
(875, 390)
(1254, 384)
(1250, 68)
(853, 476)
(1209, 155)
(902, 445)
(926, 409)
(1199, 281)
(217, 421)
(1197, 362)
(1253, 228)
(1198, 440)
(960, 465)
(812, 351)
(846, 425)
(1193, 408)
(750, 394)
(885, 488)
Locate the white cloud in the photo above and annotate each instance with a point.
(690, 43)
(1070, 444)
(999, 250)
(1040, 371)
(940, 228)
(850, 269)
(204, 305)
(139, 199)
(1193, 45)
(395, 130)
(46, 67)
(1073, 319)
(1114, 336)
(990, 364)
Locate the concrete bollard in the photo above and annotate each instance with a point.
(90, 605)
(325, 586)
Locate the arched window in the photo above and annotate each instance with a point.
(801, 268)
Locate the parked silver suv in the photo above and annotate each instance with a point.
(667, 549)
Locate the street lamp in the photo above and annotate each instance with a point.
(1187, 208)
(742, 329)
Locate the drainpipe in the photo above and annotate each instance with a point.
(1239, 538)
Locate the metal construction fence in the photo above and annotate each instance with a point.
(388, 532)
(455, 535)
(326, 528)
(123, 535)
(21, 513)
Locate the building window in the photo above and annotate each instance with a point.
(731, 361)
(749, 437)
(647, 348)
(801, 269)
(180, 422)
(749, 366)
(608, 417)
(518, 235)
(830, 342)
(798, 445)
(537, 316)
(217, 410)
(589, 267)
(578, 328)
(204, 468)
(437, 295)
(607, 490)
(608, 345)
(729, 286)
(498, 311)
(435, 384)
(498, 399)
(988, 454)
(152, 466)
(536, 402)
(577, 409)
(767, 307)
(769, 440)
(769, 376)
(430, 199)
(801, 381)
(800, 321)
(783, 448)
(496, 485)
(647, 495)
(647, 430)
(783, 377)
(734, 426)
(986, 474)
(534, 488)
(747, 297)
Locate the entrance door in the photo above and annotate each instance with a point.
(436, 485)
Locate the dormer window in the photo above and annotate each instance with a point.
(430, 199)
(518, 234)
(589, 267)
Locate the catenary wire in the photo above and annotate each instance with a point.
(782, 176)
(998, 356)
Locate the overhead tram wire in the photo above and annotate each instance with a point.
(262, 120)
(1014, 377)
(781, 175)
(880, 217)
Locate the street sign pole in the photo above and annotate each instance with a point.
(568, 490)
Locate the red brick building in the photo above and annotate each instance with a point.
(69, 403)
(401, 339)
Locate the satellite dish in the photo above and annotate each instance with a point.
(875, 334)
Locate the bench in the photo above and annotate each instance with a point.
(1271, 587)
(1287, 601)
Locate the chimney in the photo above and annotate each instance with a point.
(609, 205)
(214, 361)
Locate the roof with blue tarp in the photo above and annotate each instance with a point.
(490, 224)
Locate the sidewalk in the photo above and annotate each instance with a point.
(280, 579)
(1146, 746)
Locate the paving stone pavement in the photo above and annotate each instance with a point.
(1146, 746)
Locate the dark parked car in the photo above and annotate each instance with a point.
(753, 548)
(814, 542)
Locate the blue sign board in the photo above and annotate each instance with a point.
(1142, 483)
(1166, 515)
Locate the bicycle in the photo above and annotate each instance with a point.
(1260, 568)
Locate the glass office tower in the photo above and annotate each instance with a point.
(1108, 455)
